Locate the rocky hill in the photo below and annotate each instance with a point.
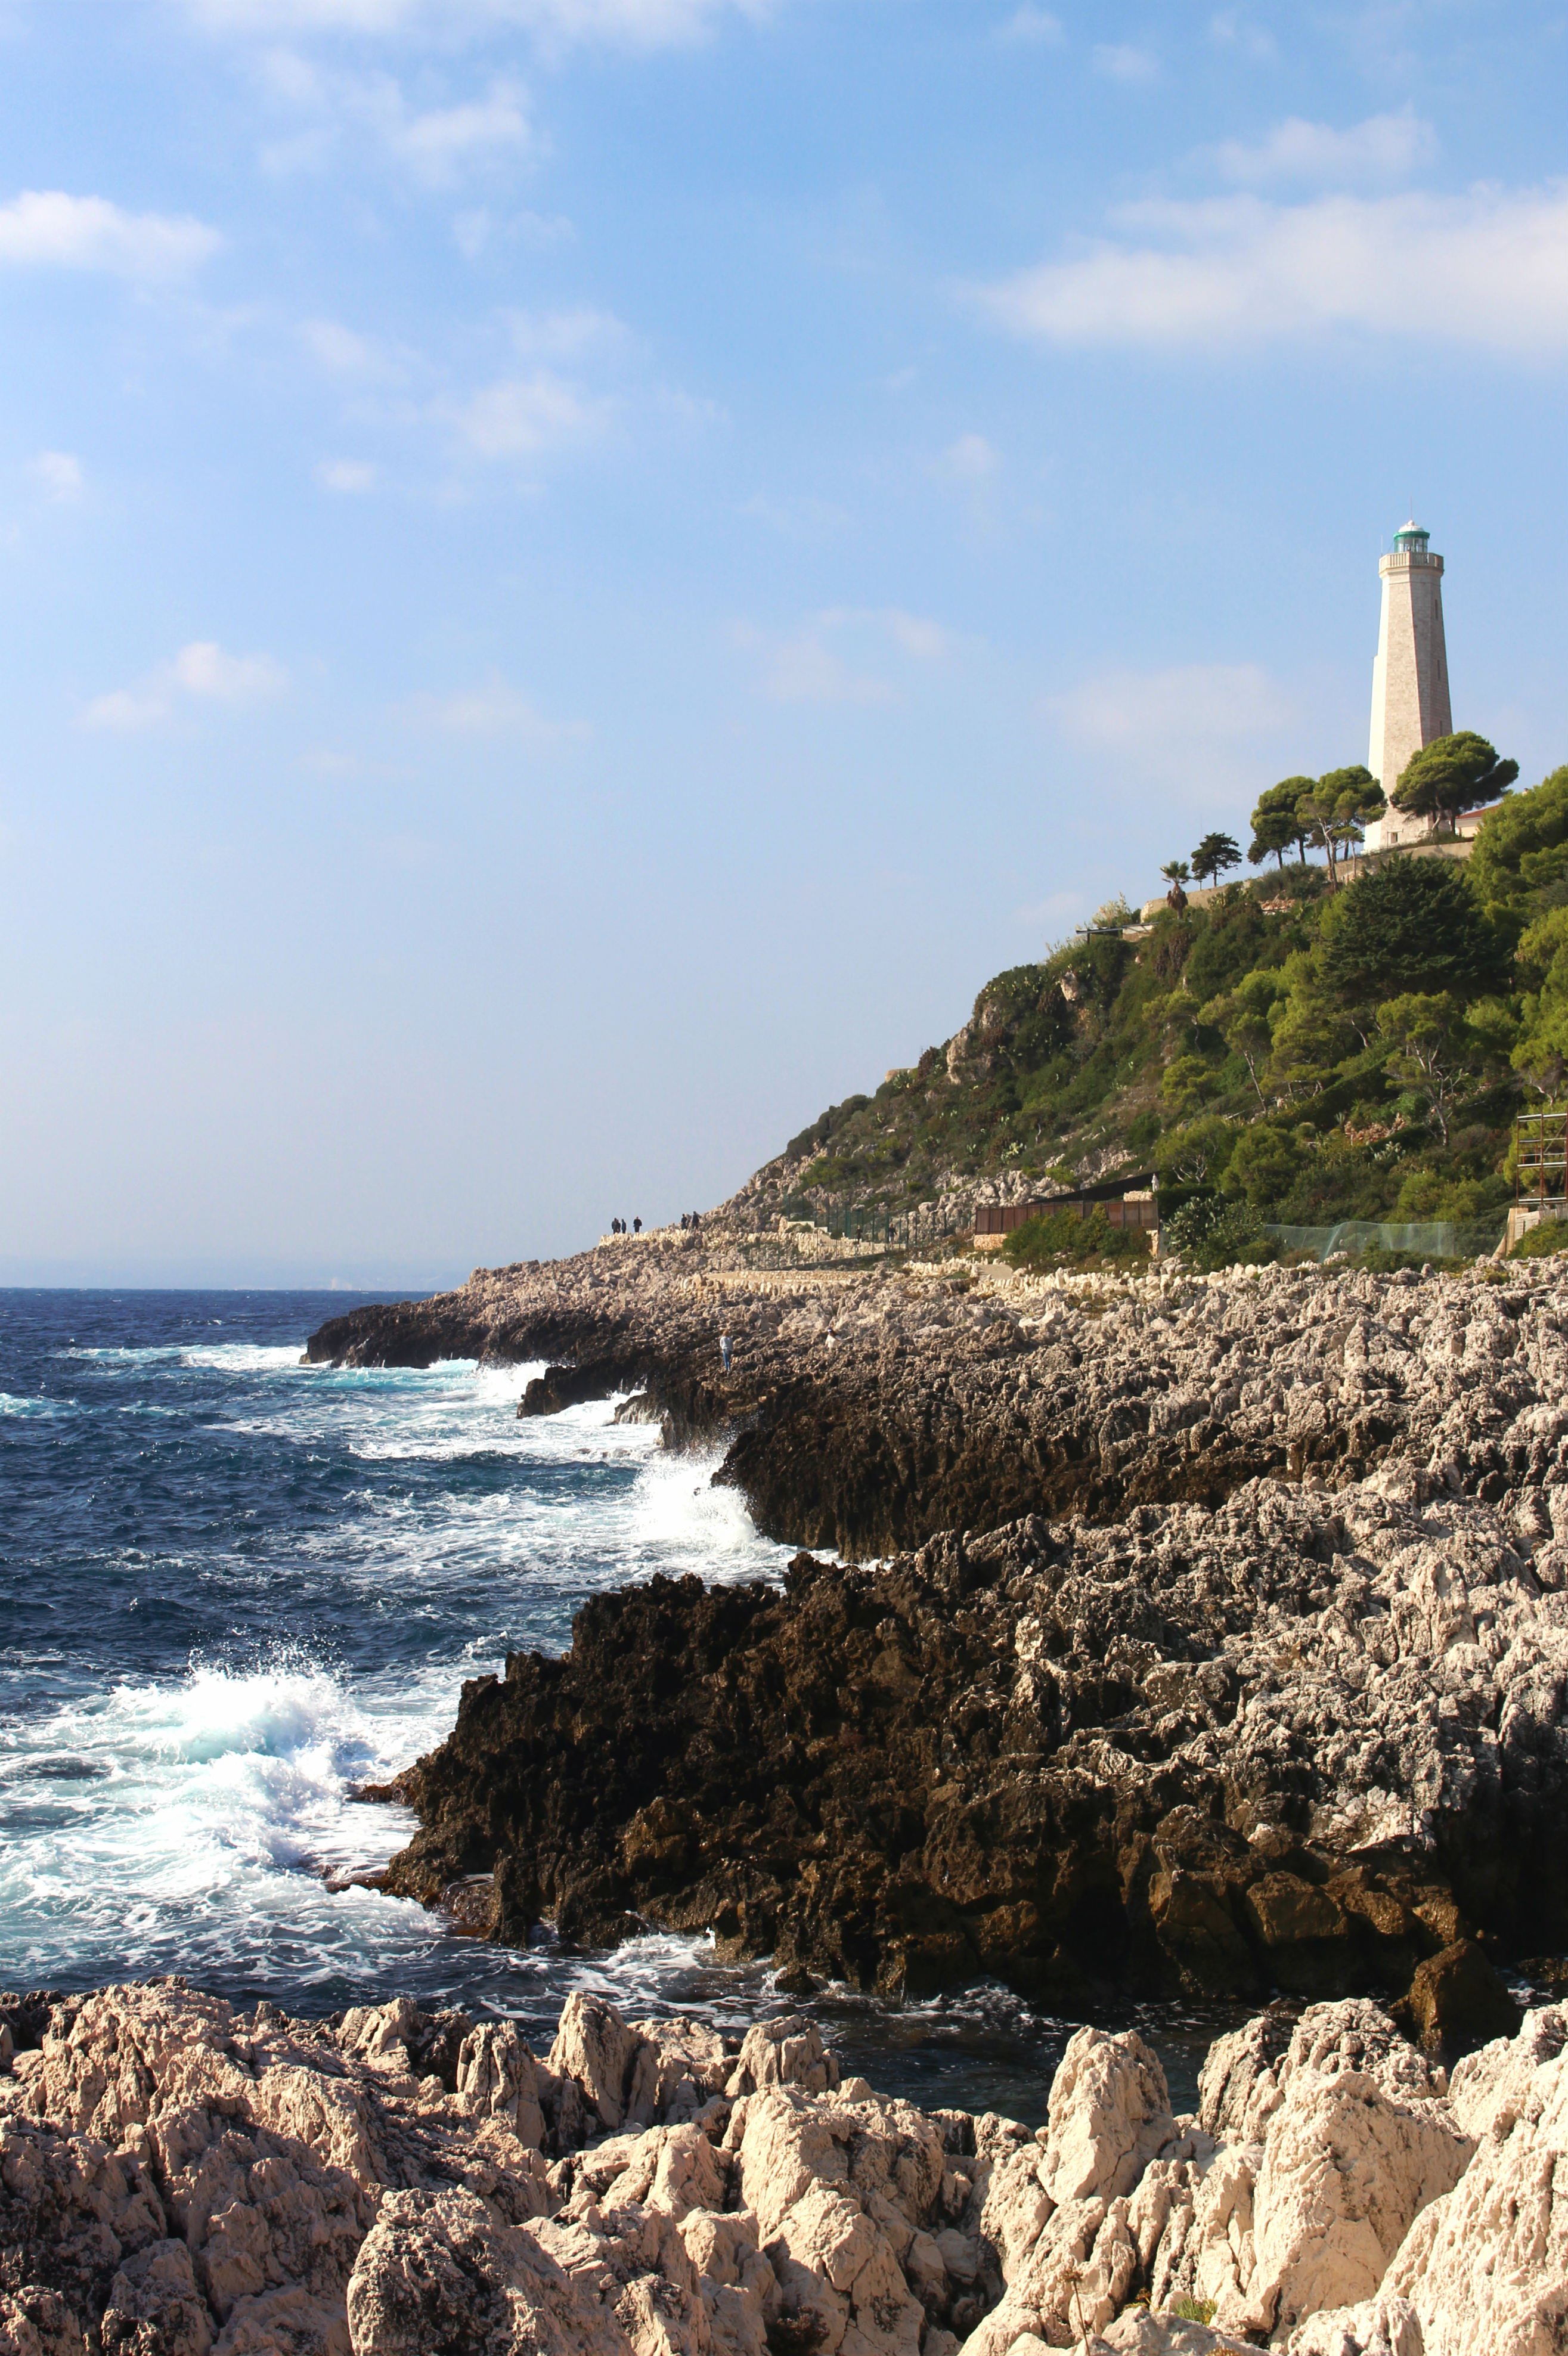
(1319, 1054)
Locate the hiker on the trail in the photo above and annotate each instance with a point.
(724, 1351)
(685, 1221)
(637, 1226)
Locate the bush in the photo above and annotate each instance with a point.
(1209, 1234)
(1263, 1166)
(1053, 1236)
(1550, 1235)
(1414, 924)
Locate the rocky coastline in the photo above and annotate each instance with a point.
(181, 2179)
(1302, 1729)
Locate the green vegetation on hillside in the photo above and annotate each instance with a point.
(1296, 1048)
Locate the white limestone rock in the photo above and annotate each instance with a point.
(436, 2274)
(1498, 2075)
(1486, 2268)
(1108, 2115)
(1346, 2170)
(788, 2051)
(1383, 2326)
(498, 2078)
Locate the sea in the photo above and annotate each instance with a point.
(235, 1588)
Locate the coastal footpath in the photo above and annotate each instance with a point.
(1219, 1642)
(181, 2179)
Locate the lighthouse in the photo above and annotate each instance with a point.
(1409, 675)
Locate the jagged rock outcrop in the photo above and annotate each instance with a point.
(943, 1402)
(178, 2178)
(1314, 1742)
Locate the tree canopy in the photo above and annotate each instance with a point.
(1214, 854)
(1337, 809)
(1277, 822)
(1452, 774)
(1415, 924)
(1521, 861)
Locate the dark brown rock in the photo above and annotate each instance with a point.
(1457, 2001)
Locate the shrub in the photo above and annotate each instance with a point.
(1210, 1233)
(1053, 1236)
(1550, 1235)
(1414, 924)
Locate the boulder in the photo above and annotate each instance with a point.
(1346, 2168)
(1486, 2268)
(1108, 2115)
(1457, 2001)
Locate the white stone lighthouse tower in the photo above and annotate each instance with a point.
(1409, 675)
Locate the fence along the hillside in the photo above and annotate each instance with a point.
(1421, 1238)
(851, 1222)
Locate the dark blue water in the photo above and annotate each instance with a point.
(232, 1589)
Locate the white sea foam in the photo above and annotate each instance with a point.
(187, 1823)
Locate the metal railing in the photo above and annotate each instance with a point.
(1540, 1154)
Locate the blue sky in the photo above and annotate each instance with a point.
(577, 574)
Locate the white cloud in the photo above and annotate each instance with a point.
(803, 666)
(58, 475)
(1229, 29)
(803, 670)
(124, 711)
(926, 641)
(971, 459)
(1384, 147)
(633, 24)
(521, 416)
(435, 144)
(1488, 269)
(800, 518)
(346, 475)
(474, 233)
(1194, 725)
(200, 669)
(1123, 62)
(45, 228)
(567, 335)
(344, 353)
(1031, 24)
(495, 709)
(203, 669)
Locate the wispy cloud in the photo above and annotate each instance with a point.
(522, 416)
(58, 476)
(972, 460)
(1384, 147)
(1230, 30)
(434, 144)
(348, 476)
(1124, 62)
(1030, 24)
(1487, 269)
(802, 517)
(495, 709)
(632, 24)
(1194, 725)
(814, 664)
(201, 672)
(343, 352)
(45, 228)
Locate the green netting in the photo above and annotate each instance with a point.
(1421, 1238)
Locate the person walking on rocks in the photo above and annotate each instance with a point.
(637, 1226)
(724, 1351)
